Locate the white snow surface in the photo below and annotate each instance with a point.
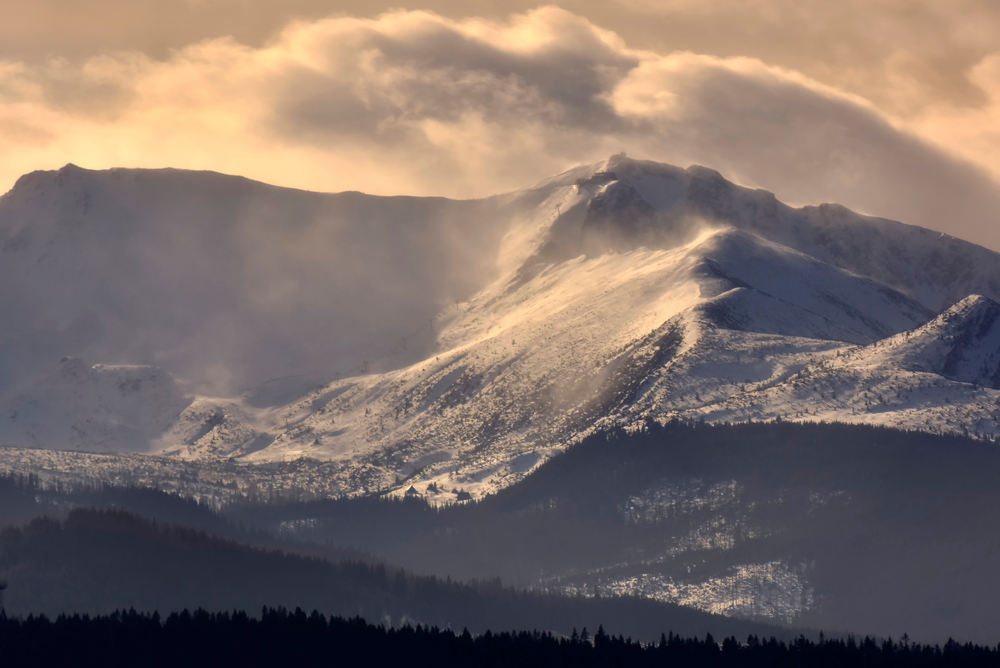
(606, 296)
(770, 590)
(98, 408)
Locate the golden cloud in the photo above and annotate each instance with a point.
(416, 103)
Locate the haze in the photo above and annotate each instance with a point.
(889, 107)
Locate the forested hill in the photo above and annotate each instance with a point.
(830, 526)
(845, 528)
(280, 637)
(99, 561)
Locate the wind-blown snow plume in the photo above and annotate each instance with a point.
(412, 102)
(462, 343)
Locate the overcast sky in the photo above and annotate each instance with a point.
(891, 107)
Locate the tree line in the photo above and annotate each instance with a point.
(283, 637)
(98, 561)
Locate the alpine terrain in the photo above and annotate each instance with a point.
(353, 343)
(650, 381)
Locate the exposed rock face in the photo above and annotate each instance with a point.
(618, 218)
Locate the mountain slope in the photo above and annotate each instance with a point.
(222, 281)
(98, 562)
(460, 344)
(837, 527)
(933, 268)
(963, 344)
(528, 366)
(119, 408)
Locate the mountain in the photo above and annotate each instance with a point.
(935, 269)
(940, 377)
(963, 344)
(222, 281)
(445, 347)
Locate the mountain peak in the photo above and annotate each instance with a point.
(962, 343)
(642, 203)
(970, 318)
(700, 171)
(971, 305)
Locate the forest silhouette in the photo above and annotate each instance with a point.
(281, 637)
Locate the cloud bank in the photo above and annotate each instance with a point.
(416, 103)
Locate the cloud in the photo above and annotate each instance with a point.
(904, 55)
(413, 102)
(807, 142)
(972, 132)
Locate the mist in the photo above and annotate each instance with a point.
(416, 103)
(225, 282)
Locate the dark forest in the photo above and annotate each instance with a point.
(280, 637)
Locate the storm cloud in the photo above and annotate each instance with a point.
(419, 103)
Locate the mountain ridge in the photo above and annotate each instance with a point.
(611, 294)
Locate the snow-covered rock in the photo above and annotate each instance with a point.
(418, 342)
(963, 344)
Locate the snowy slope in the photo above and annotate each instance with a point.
(460, 344)
(527, 366)
(222, 281)
(96, 408)
(963, 344)
(940, 377)
(930, 267)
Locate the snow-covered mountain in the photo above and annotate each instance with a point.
(963, 344)
(223, 281)
(446, 345)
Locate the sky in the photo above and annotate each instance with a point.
(891, 107)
